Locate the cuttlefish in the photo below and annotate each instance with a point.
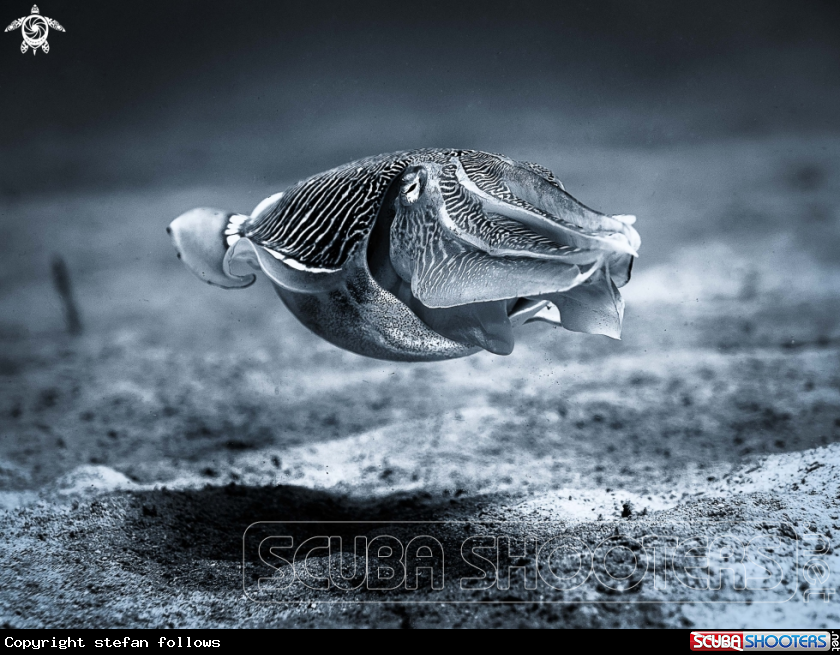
(423, 255)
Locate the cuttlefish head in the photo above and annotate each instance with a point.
(475, 240)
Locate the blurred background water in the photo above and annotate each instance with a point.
(259, 92)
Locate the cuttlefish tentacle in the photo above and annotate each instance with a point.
(454, 253)
(473, 250)
(535, 189)
(594, 307)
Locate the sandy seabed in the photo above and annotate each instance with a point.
(134, 457)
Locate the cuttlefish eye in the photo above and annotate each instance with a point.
(413, 183)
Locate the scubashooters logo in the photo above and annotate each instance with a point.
(35, 29)
(750, 640)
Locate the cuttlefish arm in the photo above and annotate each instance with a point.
(536, 197)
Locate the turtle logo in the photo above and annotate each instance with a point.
(35, 28)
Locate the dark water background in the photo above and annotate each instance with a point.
(210, 92)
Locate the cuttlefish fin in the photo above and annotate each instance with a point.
(282, 270)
